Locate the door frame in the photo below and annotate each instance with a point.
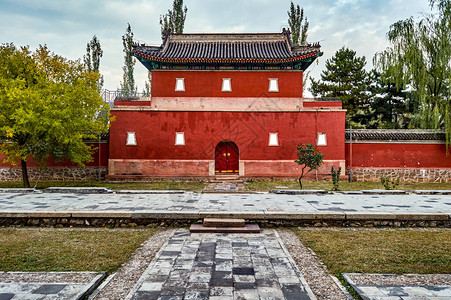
(227, 171)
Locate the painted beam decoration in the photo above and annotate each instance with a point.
(267, 51)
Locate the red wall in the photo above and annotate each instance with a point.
(315, 104)
(244, 84)
(390, 155)
(155, 133)
(103, 158)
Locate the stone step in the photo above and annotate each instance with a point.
(216, 222)
(226, 180)
(248, 228)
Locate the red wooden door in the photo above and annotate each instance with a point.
(226, 158)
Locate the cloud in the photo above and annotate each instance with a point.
(66, 26)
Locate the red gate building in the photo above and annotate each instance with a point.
(224, 104)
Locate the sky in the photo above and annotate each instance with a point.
(66, 26)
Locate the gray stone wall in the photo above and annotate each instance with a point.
(54, 173)
(405, 175)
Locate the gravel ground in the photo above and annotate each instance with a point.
(128, 274)
(47, 277)
(314, 272)
(406, 279)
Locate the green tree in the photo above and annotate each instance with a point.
(128, 87)
(419, 57)
(174, 20)
(295, 20)
(388, 106)
(308, 157)
(148, 85)
(92, 58)
(48, 105)
(346, 79)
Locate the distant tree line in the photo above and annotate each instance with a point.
(410, 85)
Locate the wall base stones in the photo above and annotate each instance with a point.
(405, 175)
(60, 222)
(53, 173)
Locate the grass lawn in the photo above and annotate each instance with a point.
(344, 185)
(170, 185)
(253, 186)
(68, 249)
(381, 251)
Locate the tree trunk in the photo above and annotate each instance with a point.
(300, 182)
(26, 182)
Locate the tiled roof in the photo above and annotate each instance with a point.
(395, 135)
(268, 48)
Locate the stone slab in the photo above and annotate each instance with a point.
(78, 190)
(221, 222)
(396, 290)
(19, 190)
(298, 192)
(432, 192)
(273, 215)
(149, 192)
(48, 285)
(248, 228)
(222, 266)
(384, 192)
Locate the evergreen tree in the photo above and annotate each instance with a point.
(389, 106)
(174, 20)
(295, 20)
(344, 78)
(147, 85)
(92, 58)
(419, 57)
(128, 85)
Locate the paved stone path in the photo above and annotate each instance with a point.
(397, 291)
(194, 203)
(47, 285)
(222, 266)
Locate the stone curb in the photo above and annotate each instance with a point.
(396, 216)
(149, 192)
(78, 190)
(384, 192)
(194, 215)
(93, 285)
(298, 192)
(19, 190)
(432, 192)
(305, 216)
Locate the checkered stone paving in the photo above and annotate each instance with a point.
(400, 287)
(48, 285)
(222, 266)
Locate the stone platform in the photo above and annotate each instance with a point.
(132, 208)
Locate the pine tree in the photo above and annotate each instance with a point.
(295, 20)
(419, 57)
(128, 85)
(174, 20)
(346, 79)
(389, 106)
(92, 58)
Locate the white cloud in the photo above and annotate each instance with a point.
(66, 26)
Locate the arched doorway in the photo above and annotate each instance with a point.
(227, 157)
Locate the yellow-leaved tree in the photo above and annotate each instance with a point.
(48, 106)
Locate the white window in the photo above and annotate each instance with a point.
(179, 138)
(273, 139)
(180, 84)
(273, 85)
(322, 139)
(226, 85)
(131, 139)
